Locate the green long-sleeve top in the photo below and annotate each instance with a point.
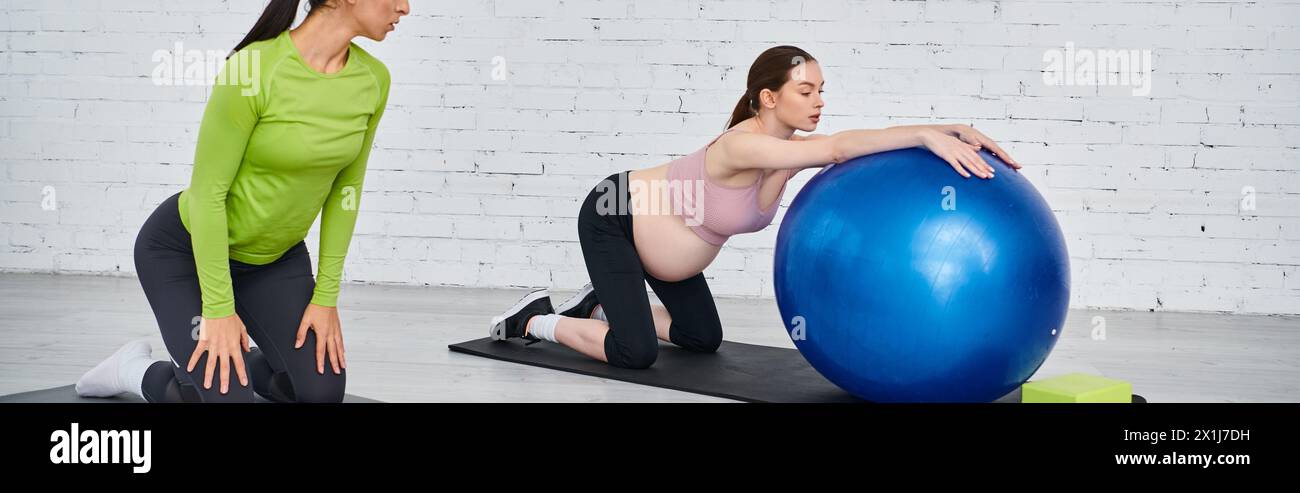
(278, 144)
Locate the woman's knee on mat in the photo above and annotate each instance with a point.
(699, 337)
(637, 352)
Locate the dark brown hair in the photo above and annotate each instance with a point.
(277, 17)
(770, 71)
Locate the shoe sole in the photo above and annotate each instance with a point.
(497, 329)
(575, 299)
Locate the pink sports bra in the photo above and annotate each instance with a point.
(722, 211)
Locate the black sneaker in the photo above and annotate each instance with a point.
(580, 305)
(512, 323)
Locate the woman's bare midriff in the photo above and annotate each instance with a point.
(669, 250)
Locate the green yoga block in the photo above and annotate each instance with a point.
(1077, 387)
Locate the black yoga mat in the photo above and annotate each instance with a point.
(67, 394)
(738, 371)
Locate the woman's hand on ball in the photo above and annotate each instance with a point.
(962, 156)
(969, 135)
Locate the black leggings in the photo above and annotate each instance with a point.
(619, 280)
(269, 299)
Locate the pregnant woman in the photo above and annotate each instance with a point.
(285, 137)
(678, 215)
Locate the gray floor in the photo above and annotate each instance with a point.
(53, 328)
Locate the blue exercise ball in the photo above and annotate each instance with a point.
(901, 281)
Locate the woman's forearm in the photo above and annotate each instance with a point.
(853, 143)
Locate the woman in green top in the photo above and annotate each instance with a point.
(285, 136)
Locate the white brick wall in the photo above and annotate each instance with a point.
(476, 181)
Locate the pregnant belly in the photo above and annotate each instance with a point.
(669, 250)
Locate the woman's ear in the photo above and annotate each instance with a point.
(766, 99)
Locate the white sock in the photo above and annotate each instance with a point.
(599, 313)
(543, 326)
(121, 372)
